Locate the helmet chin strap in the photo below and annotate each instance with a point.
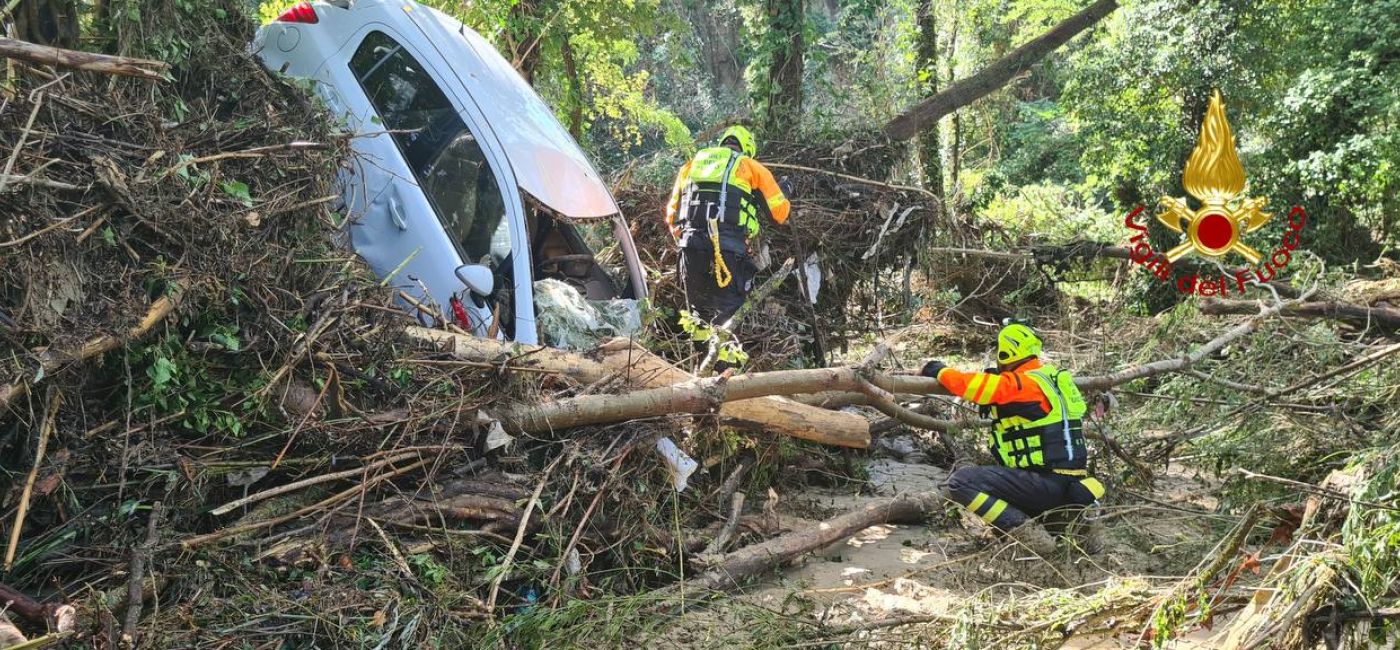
(1015, 364)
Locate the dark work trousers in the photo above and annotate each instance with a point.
(703, 295)
(1006, 498)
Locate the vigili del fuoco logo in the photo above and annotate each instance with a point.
(1216, 229)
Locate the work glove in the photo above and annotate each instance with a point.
(932, 368)
(786, 186)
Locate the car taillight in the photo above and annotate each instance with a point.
(302, 13)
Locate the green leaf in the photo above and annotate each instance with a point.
(237, 190)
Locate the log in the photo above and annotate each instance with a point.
(55, 616)
(731, 570)
(639, 367)
(104, 63)
(1385, 318)
(997, 74)
(706, 395)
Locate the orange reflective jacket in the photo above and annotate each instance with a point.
(1038, 414)
(748, 175)
(1010, 387)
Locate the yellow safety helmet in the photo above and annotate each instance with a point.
(746, 142)
(1016, 341)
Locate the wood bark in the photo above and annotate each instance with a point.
(1386, 318)
(571, 75)
(637, 366)
(995, 75)
(104, 63)
(56, 616)
(930, 153)
(732, 569)
(47, 22)
(786, 24)
(717, 30)
(696, 396)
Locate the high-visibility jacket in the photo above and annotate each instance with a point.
(1038, 414)
(729, 187)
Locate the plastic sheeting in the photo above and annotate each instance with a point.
(569, 322)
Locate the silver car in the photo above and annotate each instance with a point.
(464, 189)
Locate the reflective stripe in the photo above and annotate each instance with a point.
(1094, 486)
(994, 512)
(977, 502)
(988, 389)
(1072, 472)
(775, 201)
(974, 386)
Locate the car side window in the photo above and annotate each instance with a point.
(444, 155)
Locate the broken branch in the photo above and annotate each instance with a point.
(105, 63)
(732, 569)
(51, 360)
(1386, 318)
(45, 430)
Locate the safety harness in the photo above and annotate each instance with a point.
(727, 213)
(1028, 438)
(722, 275)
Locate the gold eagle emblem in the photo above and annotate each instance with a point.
(1215, 177)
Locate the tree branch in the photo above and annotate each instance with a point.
(997, 74)
(104, 63)
(1385, 318)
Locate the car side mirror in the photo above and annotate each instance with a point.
(478, 278)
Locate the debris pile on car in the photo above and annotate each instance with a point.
(215, 419)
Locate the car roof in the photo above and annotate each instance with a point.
(548, 164)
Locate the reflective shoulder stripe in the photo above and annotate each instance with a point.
(775, 201)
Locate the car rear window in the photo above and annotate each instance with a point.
(443, 153)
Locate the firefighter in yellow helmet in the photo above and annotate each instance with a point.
(1037, 441)
(716, 207)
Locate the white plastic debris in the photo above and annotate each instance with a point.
(763, 257)
(680, 465)
(568, 321)
(811, 278)
(496, 436)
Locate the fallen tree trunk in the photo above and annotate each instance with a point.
(637, 366)
(731, 570)
(705, 395)
(689, 395)
(997, 74)
(1386, 318)
(104, 63)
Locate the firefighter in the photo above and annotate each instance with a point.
(1037, 441)
(715, 209)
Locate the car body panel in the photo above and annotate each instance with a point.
(393, 224)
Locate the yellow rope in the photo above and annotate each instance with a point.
(722, 275)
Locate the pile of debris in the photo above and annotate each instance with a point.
(847, 235)
(215, 418)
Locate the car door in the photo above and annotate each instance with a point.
(435, 203)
